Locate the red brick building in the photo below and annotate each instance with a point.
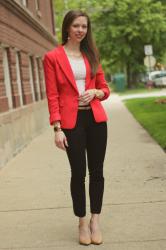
(26, 33)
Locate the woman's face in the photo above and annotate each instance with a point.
(78, 29)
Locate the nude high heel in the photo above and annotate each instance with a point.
(96, 235)
(84, 236)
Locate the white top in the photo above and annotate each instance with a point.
(79, 71)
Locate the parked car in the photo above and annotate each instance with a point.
(156, 78)
(148, 76)
(160, 79)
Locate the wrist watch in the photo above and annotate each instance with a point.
(57, 128)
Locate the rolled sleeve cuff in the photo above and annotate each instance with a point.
(54, 118)
(106, 93)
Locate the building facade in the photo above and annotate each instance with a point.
(26, 33)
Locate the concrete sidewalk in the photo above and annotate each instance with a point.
(35, 203)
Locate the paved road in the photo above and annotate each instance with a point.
(35, 204)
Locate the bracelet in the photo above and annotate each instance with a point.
(57, 129)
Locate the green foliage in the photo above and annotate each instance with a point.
(121, 29)
(126, 27)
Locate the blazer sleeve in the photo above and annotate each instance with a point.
(51, 89)
(101, 83)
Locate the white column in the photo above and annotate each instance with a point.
(7, 79)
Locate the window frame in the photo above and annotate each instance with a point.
(31, 78)
(7, 77)
(24, 3)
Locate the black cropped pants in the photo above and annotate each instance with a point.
(87, 138)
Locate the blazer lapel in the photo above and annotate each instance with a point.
(65, 66)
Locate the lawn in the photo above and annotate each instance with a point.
(140, 89)
(151, 115)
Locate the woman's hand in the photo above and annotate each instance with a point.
(87, 96)
(60, 140)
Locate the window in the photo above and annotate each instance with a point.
(24, 2)
(44, 84)
(41, 78)
(19, 83)
(31, 77)
(37, 79)
(7, 79)
(37, 5)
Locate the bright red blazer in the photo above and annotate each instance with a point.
(62, 92)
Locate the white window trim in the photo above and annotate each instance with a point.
(31, 79)
(37, 4)
(19, 83)
(7, 79)
(24, 2)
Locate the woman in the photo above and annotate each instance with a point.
(75, 85)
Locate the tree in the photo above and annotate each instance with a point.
(122, 28)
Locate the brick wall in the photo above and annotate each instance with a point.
(25, 36)
(43, 14)
(19, 36)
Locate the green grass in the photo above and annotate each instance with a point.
(151, 115)
(140, 89)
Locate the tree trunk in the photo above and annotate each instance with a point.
(128, 70)
(134, 79)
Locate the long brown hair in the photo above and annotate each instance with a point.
(87, 45)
